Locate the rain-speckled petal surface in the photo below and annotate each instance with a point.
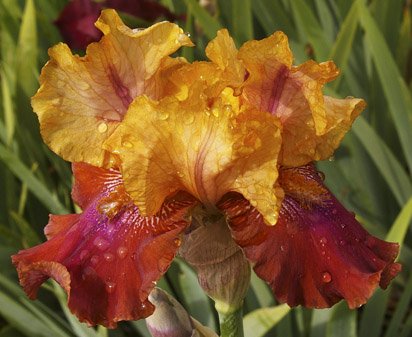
(294, 94)
(317, 253)
(109, 257)
(204, 146)
(81, 100)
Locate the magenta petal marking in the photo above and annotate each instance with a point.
(109, 257)
(317, 253)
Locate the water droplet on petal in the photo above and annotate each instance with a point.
(326, 277)
(321, 175)
(109, 257)
(110, 286)
(133, 256)
(177, 242)
(187, 34)
(83, 254)
(189, 119)
(127, 144)
(162, 115)
(283, 248)
(122, 252)
(342, 242)
(102, 128)
(227, 108)
(332, 158)
(100, 243)
(94, 259)
(343, 226)
(334, 211)
(180, 174)
(83, 85)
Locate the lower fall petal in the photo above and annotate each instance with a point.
(317, 253)
(109, 257)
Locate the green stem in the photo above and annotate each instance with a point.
(231, 325)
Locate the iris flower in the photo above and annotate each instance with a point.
(157, 143)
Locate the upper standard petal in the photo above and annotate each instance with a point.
(81, 100)
(294, 94)
(109, 257)
(204, 146)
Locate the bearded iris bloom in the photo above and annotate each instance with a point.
(158, 144)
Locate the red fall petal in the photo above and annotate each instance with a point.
(109, 257)
(317, 253)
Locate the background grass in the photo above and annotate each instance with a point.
(371, 41)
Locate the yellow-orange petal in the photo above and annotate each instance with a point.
(205, 148)
(294, 94)
(222, 51)
(82, 99)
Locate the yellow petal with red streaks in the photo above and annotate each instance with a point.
(82, 99)
(294, 94)
(202, 147)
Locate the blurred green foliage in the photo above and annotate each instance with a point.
(371, 42)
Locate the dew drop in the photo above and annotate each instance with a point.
(133, 256)
(102, 128)
(343, 226)
(88, 271)
(342, 242)
(283, 248)
(187, 34)
(332, 158)
(177, 242)
(127, 144)
(109, 257)
(122, 252)
(110, 286)
(189, 119)
(271, 218)
(334, 211)
(94, 259)
(215, 112)
(227, 108)
(321, 175)
(162, 115)
(83, 254)
(326, 277)
(83, 85)
(180, 174)
(100, 243)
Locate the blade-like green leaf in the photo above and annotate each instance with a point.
(259, 322)
(310, 30)
(342, 322)
(342, 47)
(373, 314)
(209, 25)
(385, 161)
(399, 100)
(27, 72)
(401, 309)
(400, 226)
(34, 185)
(242, 21)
